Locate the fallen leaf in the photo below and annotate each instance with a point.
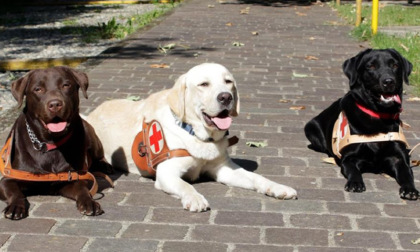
(415, 163)
(329, 160)
(309, 57)
(133, 98)
(300, 14)
(238, 44)
(413, 99)
(210, 6)
(255, 33)
(284, 101)
(312, 38)
(297, 107)
(299, 75)
(405, 125)
(166, 48)
(229, 24)
(415, 242)
(245, 11)
(163, 65)
(256, 144)
(340, 234)
(404, 47)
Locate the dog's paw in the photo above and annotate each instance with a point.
(195, 203)
(409, 193)
(281, 192)
(17, 210)
(89, 207)
(355, 186)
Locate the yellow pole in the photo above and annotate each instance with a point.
(337, 2)
(358, 12)
(375, 11)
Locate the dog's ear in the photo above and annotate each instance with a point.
(80, 78)
(405, 65)
(176, 97)
(19, 88)
(351, 67)
(235, 111)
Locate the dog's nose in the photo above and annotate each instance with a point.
(388, 81)
(224, 98)
(55, 105)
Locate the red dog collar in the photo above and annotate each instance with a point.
(378, 115)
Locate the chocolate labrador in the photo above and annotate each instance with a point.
(50, 137)
(369, 123)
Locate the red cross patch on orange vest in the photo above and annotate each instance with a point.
(149, 149)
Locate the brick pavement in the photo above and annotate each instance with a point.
(274, 74)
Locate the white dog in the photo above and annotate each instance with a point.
(194, 115)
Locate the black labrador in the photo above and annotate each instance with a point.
(50, 137)
(372, 106)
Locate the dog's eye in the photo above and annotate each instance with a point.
(204, 84)
(229, 81)
(395, 66)
(371, 66)
(66, 85)
(38, 89)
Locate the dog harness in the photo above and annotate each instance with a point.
(342, 136)
(8, 172)
(149, 148)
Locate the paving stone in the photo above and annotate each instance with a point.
(285, 236)
(295, 206)
(46, 243)
(224, 234)
(88, 228)
(320, 221)
(403, 210)
(123, 213)
(3, 238)
(173, 246)
(248, 218)
(112, 244)
(387, 224)
(365, 240)
(155, 232)
(230, 203)
(335, 249)
(261, 248)
(57, 210)
(28, 225)
(354, 208)
(180, 216)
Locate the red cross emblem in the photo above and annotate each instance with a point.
(343, 124)
(156, 138)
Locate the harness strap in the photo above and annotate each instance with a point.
(343, 137)
(8, 172)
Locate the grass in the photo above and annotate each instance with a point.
(117, 27)
(389, 15)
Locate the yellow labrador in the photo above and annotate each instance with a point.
(204, 99)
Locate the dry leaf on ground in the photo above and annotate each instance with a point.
(163, 65)
(297, 107)
(310, 57)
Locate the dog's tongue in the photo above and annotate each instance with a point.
(396, 98)
(222, 123)
(57, 127)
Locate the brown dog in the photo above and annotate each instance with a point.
(50, 138)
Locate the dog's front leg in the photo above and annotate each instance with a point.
(232, 174)
(17, 204)
(352, 168)
(78, 191)
(169, 179)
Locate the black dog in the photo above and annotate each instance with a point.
(51, 138)
(372, 107)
